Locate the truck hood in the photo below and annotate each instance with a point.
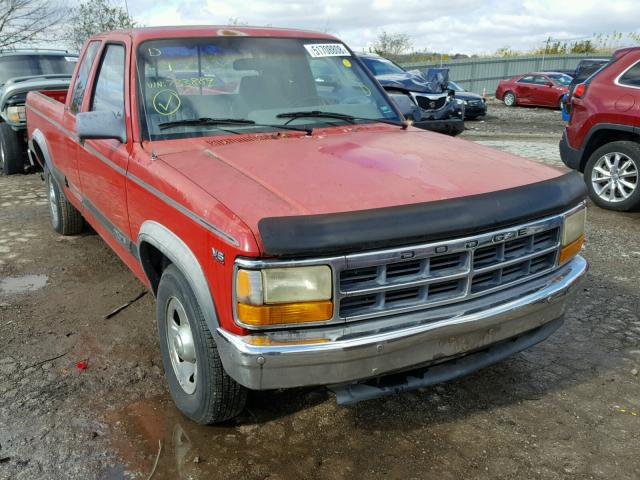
(343, 170)
(25, 85)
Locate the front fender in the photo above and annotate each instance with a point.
(174, 248)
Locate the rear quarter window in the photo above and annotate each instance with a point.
(631, 77)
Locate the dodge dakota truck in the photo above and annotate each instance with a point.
(296, 237)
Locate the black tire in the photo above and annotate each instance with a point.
(65, 218)
(12, 151)
(509, 99)
(471, 117)
(217, 397)
(632, 151)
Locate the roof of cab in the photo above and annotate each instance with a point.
(149, 33)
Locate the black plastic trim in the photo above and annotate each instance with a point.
(569, 156)
(361, 230)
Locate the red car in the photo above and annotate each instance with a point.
(543, 89)
(296, 234)
(602, 138)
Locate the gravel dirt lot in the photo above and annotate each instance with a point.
(567, 408)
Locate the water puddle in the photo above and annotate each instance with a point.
(22, 284)
(248, 447)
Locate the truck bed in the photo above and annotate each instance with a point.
(44, 111)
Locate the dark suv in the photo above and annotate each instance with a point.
(23, 71)
(602, 138)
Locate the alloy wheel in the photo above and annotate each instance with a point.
(509, 99)
(614, 177)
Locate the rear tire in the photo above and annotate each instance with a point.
(509, 99)
(197, 382)
(11, 150)
(612, 175)
(65, 218)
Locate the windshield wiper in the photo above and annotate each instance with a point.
(194, 122)
(339, 116)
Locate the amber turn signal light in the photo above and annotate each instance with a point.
(571, 250)
(266, 315)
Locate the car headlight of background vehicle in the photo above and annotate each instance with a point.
(573, 234)
(273, 296)
(16, 114)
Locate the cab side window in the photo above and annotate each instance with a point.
(83, 75)
(108, 93)
(631, 76)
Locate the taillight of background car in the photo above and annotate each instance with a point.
(580, 90)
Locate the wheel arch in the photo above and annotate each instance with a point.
(40, 147)
(157, 247)
(603, 134)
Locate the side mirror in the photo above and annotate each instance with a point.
(549, 84)
(100, 125)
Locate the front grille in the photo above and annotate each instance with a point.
(379, 283)
(427, 103)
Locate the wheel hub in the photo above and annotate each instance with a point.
(181, 346)
(53, 203)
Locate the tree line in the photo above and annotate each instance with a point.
(34, 23)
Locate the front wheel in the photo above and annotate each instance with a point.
(197, 382)
(509, 99)
(11, 150)
(612, 176)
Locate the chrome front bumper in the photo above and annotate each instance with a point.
(350, 352)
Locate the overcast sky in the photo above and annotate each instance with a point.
(448, 26)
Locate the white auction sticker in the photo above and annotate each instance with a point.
(327, 50)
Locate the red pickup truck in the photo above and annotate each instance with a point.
(296, 233)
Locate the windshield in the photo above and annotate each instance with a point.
(13, 66)
(381, 66)
(257, 79)
(455, 87)
(560, 79)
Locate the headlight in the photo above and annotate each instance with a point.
(459, 101)
(573, 234)
(16, 114)
(284, 295)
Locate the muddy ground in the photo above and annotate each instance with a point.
(567, 408)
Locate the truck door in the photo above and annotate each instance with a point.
(67, 161)
(102, 164)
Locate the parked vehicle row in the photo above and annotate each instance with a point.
(295, 233)
(23, 71)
